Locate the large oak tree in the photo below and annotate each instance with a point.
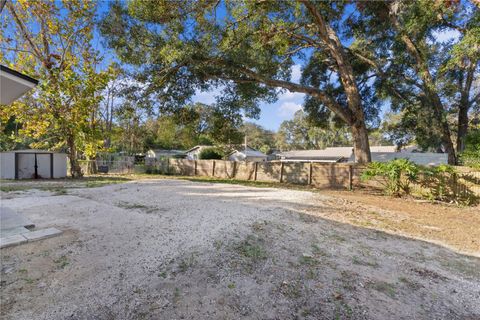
(246, 48)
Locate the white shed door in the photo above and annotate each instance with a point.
(26, 166)
(43, 162)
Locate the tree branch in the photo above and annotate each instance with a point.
(330, 103)
(25, 33)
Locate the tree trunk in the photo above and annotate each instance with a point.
(462, 127)
(464, 107)
(430, 90)
(75, 170)
(355, 114)
(361, 147)
(442, 122)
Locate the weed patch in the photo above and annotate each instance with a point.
(252, 248)
(61, 262)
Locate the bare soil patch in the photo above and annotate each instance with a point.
(172, 249)
(449, 225)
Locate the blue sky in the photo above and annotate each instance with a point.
(272, 114)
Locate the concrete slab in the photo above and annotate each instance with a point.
(13, 231)
(12, 240)
(41, 234)
(10, 219)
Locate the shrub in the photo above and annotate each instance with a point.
(442, 184)
(471, 156)
(210, 153)
(395, 175)
(439, 183)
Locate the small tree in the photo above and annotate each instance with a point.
(210, 153)
(395, 175)
(53, 42)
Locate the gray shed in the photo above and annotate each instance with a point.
(32, 164)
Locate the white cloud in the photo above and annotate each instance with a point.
(207, 97)
(289, 96)
(296, 73)
(288, 103)
(288, 109)
(447, 35)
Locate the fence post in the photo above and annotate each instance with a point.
(350, 177)
(310, 170)
(213, 169)
(281, 172)
(255, 172)
(195, 168)
(234, 173)
(455, 185)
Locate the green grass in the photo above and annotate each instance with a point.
(307, 260)
(13, 188)
(252, 248)
(384, 287)
(61, 262)
(126, 205)
(187, 263)
(362, 262)
(250, 183)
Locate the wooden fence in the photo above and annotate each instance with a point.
(319, 175)
(114, 167)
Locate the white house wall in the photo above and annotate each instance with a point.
(424, 158)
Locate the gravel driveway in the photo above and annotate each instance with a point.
(170, 249)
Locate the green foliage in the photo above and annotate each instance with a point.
(443, 183)
(247, 50)
(54, 44)
(395, 175)
(258, 137)
(210, 153)
(440, 183)
(301, 133)
(428, 78)
(471, 156)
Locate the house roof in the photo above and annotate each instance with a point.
(30, 151)
(14, 84)
(197, 147)
(344, 152)
(249, 153)
(166, 151)
(336, 152)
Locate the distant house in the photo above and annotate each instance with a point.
(326, 155)
(193, 153)
(156, 154)
(250, 154)
(379, 153)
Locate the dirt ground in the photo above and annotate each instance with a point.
(449, 225)
(173, 249)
